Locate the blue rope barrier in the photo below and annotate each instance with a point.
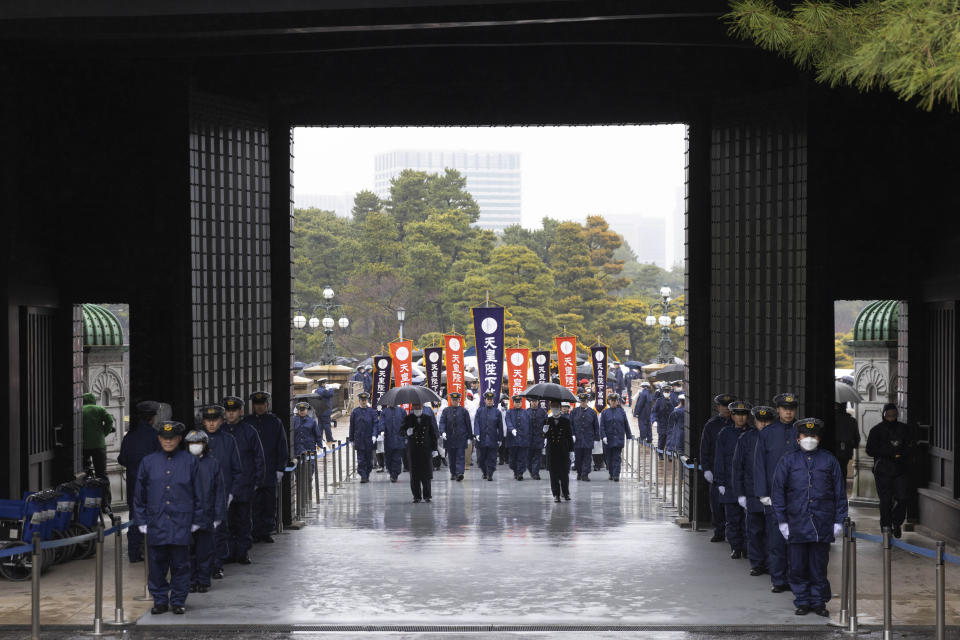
(906, 546)
(66, 542)
(868, 537)
(15, 551)
(952, 559)
(120, 527)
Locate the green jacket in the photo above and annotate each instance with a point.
(97, 423)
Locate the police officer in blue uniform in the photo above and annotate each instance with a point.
(203, 549)
(743, 486)
(614, 431)
(456, 432)
(809, 497)
(140, 441)
(518, 429)
(368, 379)
(641, 411)
(240, 512)
(676, 390)
(538, 416)
(306, 436)
(708, 450)
(326, 407)
(586, 431)
(364, 428)
(222, 446)
(394, 439)
(661, 416)
(357, 376)
(675, 423)
(726, 446)
(773, 442)
(168, 507)
(488, 429)
(276, 454)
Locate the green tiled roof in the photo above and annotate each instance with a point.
(877, 321)
(100, 327)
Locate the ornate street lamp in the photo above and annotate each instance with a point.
(401, 316)
(328, 353)
(665, 308)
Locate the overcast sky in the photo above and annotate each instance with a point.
(567, 172)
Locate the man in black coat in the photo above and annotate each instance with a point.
(559, 435)
(421, 449)
(890, 444)
(848, 435)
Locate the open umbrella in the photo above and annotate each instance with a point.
(409, 394)
(549, 391)
(843, 392)
(667, 373)
(633, 364)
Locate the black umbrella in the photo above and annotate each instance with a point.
(633, 364)
(549, 391)
(408, 394)
(667, 374)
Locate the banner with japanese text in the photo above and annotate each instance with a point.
(432, 361)
(402, 354)
(598, 356)
(453, 361)
(488, 332)
(567, 361)
(541, 370)
(382, 364)
(517, 363)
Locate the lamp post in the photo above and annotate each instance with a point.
(401, 316)
(328, 353)
(660, 314)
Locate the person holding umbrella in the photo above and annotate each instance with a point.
(559, 437)
(421, 449)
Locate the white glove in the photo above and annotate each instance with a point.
(216, 523)
(766, 501)
(229, 499)
(143, 529)
(514, 432)
(571, 456)
(604, 441)
(435, 454)
(373, 440)
(410, 432)
(443, 436)
(574, 438)
(279, 476)
(546, 428)
(742, 501)
(380, 437)
(194, 527)
(785, 531)
(837, 530)
(722, 489)
(708, 476)
(653, 425)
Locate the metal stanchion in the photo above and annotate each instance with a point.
(852, 587)
(326, 488)
(682, 471)
(941, 589)
(340, 462)
(845, 571)
(35, 589)
(118, 618)
(146, 572)
(333, 470)
(673, 482)
(650, 457)
(98, 585)
(694, 498)
(316, 477)
(887, 585)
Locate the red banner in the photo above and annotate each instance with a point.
(402, 354)
(453, 361)
(567, 361)
(517, 363)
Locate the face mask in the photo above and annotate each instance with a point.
(196, 449)
(809, 444)
(418, 412)
(555, 412)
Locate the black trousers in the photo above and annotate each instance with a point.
(420, 487)
(560, 482)
(894, 491)
(99, 457)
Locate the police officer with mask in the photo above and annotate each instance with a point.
(586, 431)
(755, 526)
(140, 441)
(661, 416)
(518, 428)
(222, 446)
(210, 478)
(488, 429)
(167, 508)
(889, 443)
(394, 440)
(276, 452)
(364, 428)
(773, 442)
(708, 451)
(614, 431)
(306, 436)
(675, 438)
(455, 430)
(641, 411)
(726, 446)
(240, 512)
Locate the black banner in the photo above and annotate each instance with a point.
(541, 369)
(598, 355)
(381, 378)
(432, 358)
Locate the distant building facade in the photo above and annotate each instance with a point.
(493, 178)
(339, 203)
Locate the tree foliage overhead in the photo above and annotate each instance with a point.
(911, 47)
(418, 249)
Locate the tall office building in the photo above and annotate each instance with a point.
(493, 178)
(645, 235)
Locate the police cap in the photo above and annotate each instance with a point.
(489, 394)
(644, 384)
(583, 396)
(739, 406)
(211, 412)
(517, 396)
(808, 426)
(197, 436)
(763, 412)
(786, 400)
(303, 406)
(363, 395)
(613, 396)
(258, 397)
(724, 399)
(454, 395)
(148, 408)
(232, 403)
(682, 397)
(171, 429)
(677, 383)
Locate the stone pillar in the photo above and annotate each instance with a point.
(875, 376)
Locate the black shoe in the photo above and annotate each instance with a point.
(460, 478)
(380, 470)
(178, 609)
(453, 478)
(217, 575)
(393, 478)
(484, 477)
(566, 498)
(159, 608)
(897, 531)
(821, 611)
(202, 588)
(586, 478)
(193, 588)
(230, 560)
(490, 478)
(536, 477)
(757, 571)
(244, 559)
(717, 538)
(735, 554)
(426, 499)
(556, 499)
(416, 500)
(802, 610)
(364, 480)
(266, 539)
(136, 560)
(780, 588)
(616, 479)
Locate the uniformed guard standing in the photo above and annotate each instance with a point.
(223, 447)
(357, 376)
(203, 549)
(240, 512)
(538, 417)
(368, 379)
(455, 430)
(518, 428)
(773, 442)
(889, 443)
(708, 450)
(559, 438)
(276, 454)
(743, 486)
(675, 438)
(326, 407)
(306, 433)
(676, 390)
(614, 431)
(661, 416)
(848, 435)
(641, 411)
(726, 446)
(809, 497)
(421, 449)
(168, 507)
(394, 440)
(488, 429)
(364, 428)
(139, 442)
(586, 431)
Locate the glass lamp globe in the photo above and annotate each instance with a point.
(299, 321)
(651, 321)
(401, 314)
(665, 292)
(328, 293)
(680, 321)
(664, 321)
(343, 322)
(314, 322)
(328, 323)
